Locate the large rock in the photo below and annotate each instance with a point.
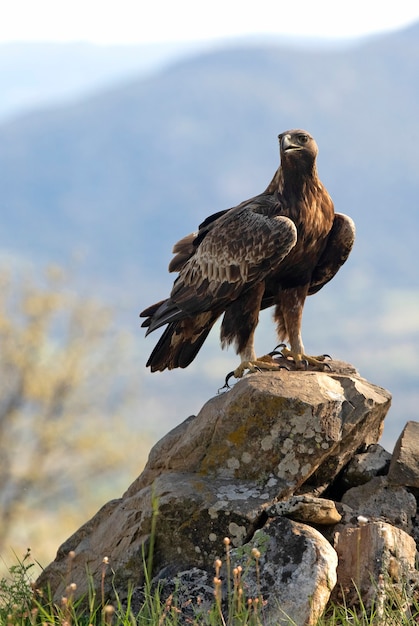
(217, 473)
(288, 569)
(404, 466)
(282, 427)
(371, 552)
(298, 572)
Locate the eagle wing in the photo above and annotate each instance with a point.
(231, 253)
(187, 246)
(339, 244)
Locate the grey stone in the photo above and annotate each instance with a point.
(297, 568)
(306, 509)
(404, 466)
(380, 499)
(375, 461)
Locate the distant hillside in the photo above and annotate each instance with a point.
(37, 74)
(120, 176)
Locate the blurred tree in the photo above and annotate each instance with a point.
(63, 439)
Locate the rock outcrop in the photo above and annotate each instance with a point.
(253, 466)
(370, 553)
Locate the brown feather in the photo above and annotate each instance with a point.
(183, 250)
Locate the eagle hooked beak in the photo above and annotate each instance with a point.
(286, 143)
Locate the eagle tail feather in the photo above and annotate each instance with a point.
(180, 343)
(159, 314)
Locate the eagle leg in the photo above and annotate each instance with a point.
(288, 316)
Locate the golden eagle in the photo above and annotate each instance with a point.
(271, 250)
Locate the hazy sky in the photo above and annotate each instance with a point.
(142, 21)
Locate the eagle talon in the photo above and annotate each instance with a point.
(322, 357)
(264, 363)
(276, 353)
(280, 345)
(280, 365)
(226, 385)
(279, 353)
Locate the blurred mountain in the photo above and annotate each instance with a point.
(36, 74)
(117, 177)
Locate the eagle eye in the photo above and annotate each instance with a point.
(303, 138)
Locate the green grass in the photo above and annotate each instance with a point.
(20, 604)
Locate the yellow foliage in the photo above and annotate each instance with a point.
(63, 436)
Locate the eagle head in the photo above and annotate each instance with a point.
(298, 144)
